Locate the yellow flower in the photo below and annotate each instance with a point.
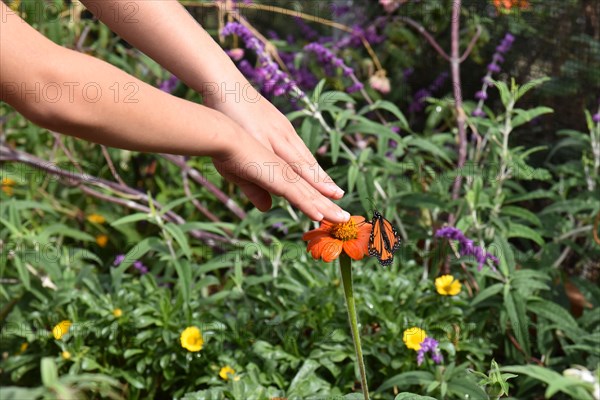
(24, 347)
(101, 240)
(117, 312)
(96, 219)
(446, 285)
(413, 337)
(7, 186)
(227, 372)
(191, 339)
(61, 329)
(65, 355)
(15, 5)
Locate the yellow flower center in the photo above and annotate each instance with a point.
(345, 231)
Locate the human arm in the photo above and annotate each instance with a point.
(166, 32)
(33, 69)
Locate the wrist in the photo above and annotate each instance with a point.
(229, 137)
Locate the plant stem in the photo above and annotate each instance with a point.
(460, 114)
(346, 271)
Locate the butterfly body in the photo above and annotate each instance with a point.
(384, 239)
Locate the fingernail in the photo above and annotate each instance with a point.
(320, 217)
(336, 190)
(343, 214)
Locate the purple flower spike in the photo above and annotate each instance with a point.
(142, 269)
(429, 345)
(169, 85)
(596, 117)
(267, 74)
(418, 103)
(467, 247)
(478, 112)
(493, 67)
(280, 226)
(326, 57)
(357, 86)
(481, 95)
(119, 259)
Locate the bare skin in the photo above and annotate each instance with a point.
(251, 143)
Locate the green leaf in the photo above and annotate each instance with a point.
(332, 97)
(318, 90)
(524, 116)
(487, 293)
(335, 139)
(428, 147)
(133, 254)
(64, 230)
(555, 381)
(131, 218)
(515, 308)
(554, 313)
(20, 393)
(530, 85)
(207, 227)
(531, 195)
(407, 379)
(505, 255)
(412, 396)
(392, 108)
(180, 238)
(352, 176)
(36, 205)
(184, 274)
(132, 379)
(49, 372)
(132, 352)
(505, 95)
(171, 205)
(23, 272)
(13, 229)
(466, 388)
(520, 212)
(308, 367)
(353, 396)
(522, 231)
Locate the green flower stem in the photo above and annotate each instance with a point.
(346, 270)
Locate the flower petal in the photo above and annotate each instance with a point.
(357, 219)
(455, 288)
(314, 234)
(316, 245)
(356, 249)
(331, 250)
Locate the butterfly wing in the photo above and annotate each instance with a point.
(384, 240)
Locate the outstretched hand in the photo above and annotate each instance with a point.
(273, 159)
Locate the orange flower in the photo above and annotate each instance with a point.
(508, 4)
(328, 241)
(102, 240)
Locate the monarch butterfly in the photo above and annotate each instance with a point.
(384, 239)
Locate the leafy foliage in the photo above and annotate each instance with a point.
(265, 308)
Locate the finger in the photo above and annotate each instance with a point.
(277, 177)
(287, 183)
(299, 157)
(257, 195)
